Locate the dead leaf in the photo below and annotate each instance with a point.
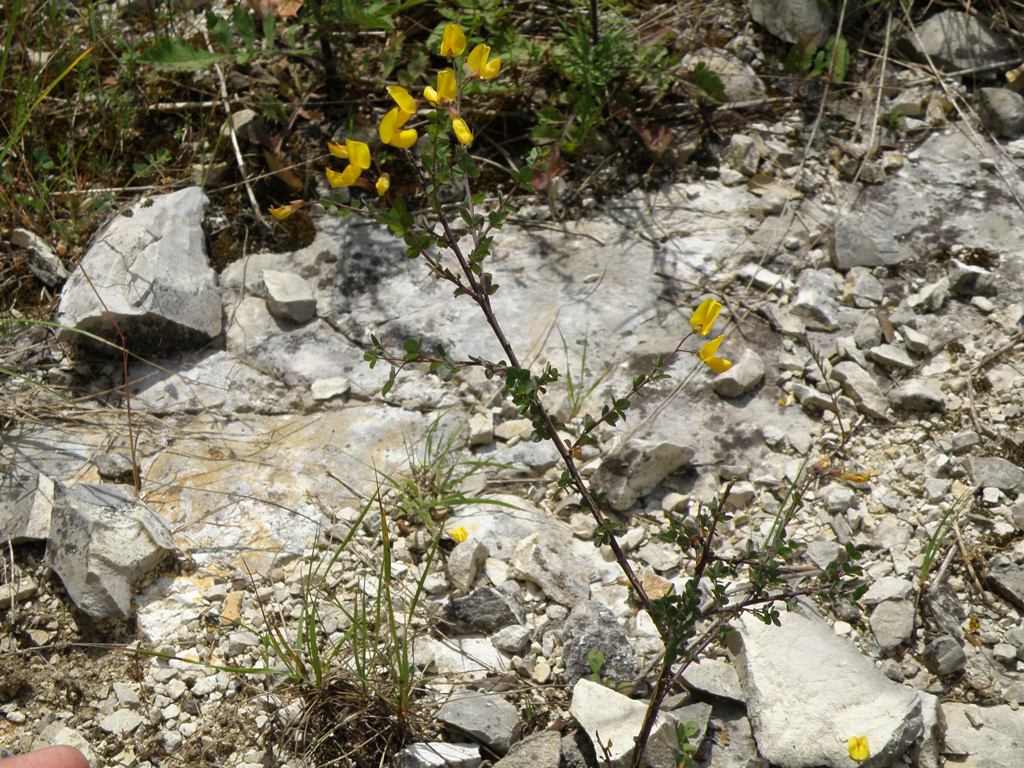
(549, 168)
(282, 9)
(282, 169)
(761, 184)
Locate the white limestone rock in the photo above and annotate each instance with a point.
(210, 380)
(151, 273)
(792, 20)
(739, 81)
(742, 377)
(481, 428)
(539, 750)
(714, 677)
(808, 690)
(289, 296)
(865, 239)
(815, 302)
(439, 754)
(983, 737)
(614, 720)
(541, 561)
(42, 261)
(330, 388)
(861, 388)
(488, 718)
(637, 468)
(26, 501)
(102, 542)
(956, 40)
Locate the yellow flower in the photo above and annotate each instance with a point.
(453, 41)
(383, 184)
(405, 102)
(346, 178)
(460, 534)
(857, 746)
(356, 152)
(391, 129)
(447, 88)
(462, 132)
(707, 356)
(358, 155)
(478, 64)
(282, 212)
(705, 316)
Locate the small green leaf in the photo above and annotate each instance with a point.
(840, 59)
(244, 28)
(219, 30)
(390, 382)
(173, 53)
(269, 30)
(708, 81)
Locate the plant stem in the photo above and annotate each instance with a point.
(594, 35)
(483, 300)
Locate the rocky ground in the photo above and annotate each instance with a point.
(876, 312)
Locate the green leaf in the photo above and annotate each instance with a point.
(545, 132)
(840, 59)
(173, 53)
(219, 30)
(269, 30)
(793, 62)
(244, 28)
(374, 15)
(390, 382)
(708, 81)
(809, 58)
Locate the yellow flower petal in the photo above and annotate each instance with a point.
(383, 184)
(447, 85)
(453, 41)
(490, 69)
(709, 348)
(338, 150)
(346, 178)
(707, 356)
(431, 95)
(477, 58)
(477, 62)
(405, 139)
(857, 746)
(282, 212)
(462, 132)
(405, 102)
(705, 315)
(460, 534)
(391, 123)
(358, 153)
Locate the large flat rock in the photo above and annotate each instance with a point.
(808, 691)
(148, 272)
